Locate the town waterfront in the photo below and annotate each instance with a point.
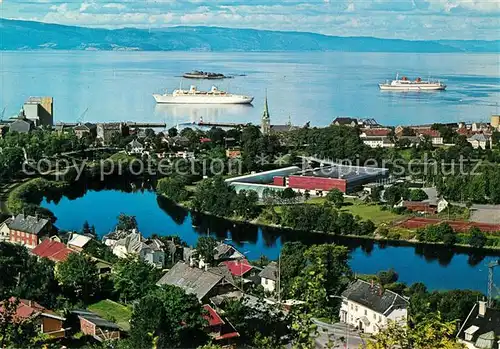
(301, 87)
(437, 267)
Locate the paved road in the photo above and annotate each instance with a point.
(337, 334)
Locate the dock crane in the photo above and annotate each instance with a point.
(3, 113)
(491, 266)
(82, 116)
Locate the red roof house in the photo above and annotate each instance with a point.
(238, 267)
(47, 321)
(375, 132)
(53, 250)
(220, 330)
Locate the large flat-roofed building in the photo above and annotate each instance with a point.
(40, 110)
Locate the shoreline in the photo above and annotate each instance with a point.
(412, 242)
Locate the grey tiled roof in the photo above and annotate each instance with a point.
(190, 279)
(95, 319)
(374, 297)
(486, 324)
(21, 126)
(270, 271)
(27, 224)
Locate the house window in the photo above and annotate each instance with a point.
(356, 308)
(366, 312)
(352, 307)
(374, 316)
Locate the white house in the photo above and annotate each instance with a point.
(378, 142)
(269, 276)
(148, 250)
(480, 140)
(369, 307)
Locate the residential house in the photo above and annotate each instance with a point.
(204, 283)
(233, 153)
(269, 277)
(47, 322)
(24, 230)
(481, 328)
(434, 135)
(375, 132)
(369, 307)
(222, 332)
(54, 250)
(177, 141)
(86, 129)
(105, 132)
(238, 267)
(135, 147)
(148, 250)
(417, 206)
(22, 124)
(345, 121)
(378, 142)
(78, 242)
(480, 140)
(93, 325)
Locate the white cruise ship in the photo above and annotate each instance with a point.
(404, 84)
(193, 96)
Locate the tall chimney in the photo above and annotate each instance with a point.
(482, 308)
(371, 283)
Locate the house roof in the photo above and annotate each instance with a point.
(238, 267)
(270, 271)
(429, 132)
(27, 224)
(376, 132)
(482, 328)
(27, 309)
(344, 121)
(212, 317)
(79, 240)
(95, 319)
(226, 251)
(53, 250)
(21, 125)
(135, 144)
(479, 137)
(192, 280)
(374, 297)
(85, 127)
(284, 128)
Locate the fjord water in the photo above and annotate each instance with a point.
(437, 267)
(301, 86)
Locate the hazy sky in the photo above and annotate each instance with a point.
(409, 19)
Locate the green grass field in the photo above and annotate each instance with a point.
(369, 211)
(112, 311)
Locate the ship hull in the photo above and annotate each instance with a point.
(385, 87)
(234, 99)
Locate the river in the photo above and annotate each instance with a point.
(437, 267)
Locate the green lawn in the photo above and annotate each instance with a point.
(369, 211)
(112, 311)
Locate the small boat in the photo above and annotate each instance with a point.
(196, 74)
(405, 84)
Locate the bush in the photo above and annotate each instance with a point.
(477, 238)
(388, 276)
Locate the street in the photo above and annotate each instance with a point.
(336, 334)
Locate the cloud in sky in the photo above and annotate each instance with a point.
(409, 19)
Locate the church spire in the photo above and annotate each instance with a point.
(265, 126)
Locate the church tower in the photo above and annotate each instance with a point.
(265, 125)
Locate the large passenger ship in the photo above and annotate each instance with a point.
(193, 96)
(405, 84)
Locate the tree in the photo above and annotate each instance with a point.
(170, 318)
(376, 193)
(214, 195)
(79, 277)
(430, 332)
(133, 278)
(173, 188)
(205, 247)
(126, 222)
(477, 238)
(86, 228)
(15, 332)
(336, 197)
(292, 257)
(387, 277)
(172, 132)
(245, 203)
(418, 195)
(327, 273)
(303, 329)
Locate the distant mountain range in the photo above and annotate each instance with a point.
(26, 35)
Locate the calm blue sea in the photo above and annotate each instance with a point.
(313, 87)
